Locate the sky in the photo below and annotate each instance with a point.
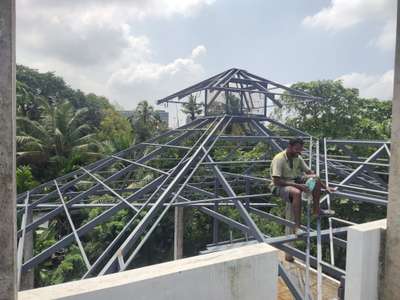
(132, 50)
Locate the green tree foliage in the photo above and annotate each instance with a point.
(60, 128)
(145, 122)
(58, 141)
(192, 108)
(25, 179)
(232, 104)
(32, 84)
(341, 113)
(115, 131)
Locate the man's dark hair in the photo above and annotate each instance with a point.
(295, 141)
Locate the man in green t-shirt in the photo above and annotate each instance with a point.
(291, 177)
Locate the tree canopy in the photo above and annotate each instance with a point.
(60, 129)
(341, 114)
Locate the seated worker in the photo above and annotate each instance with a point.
(291, 176)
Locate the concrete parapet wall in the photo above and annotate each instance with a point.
(249, 272)
(363, 260)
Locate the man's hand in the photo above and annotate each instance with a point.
(303, 188)
(331, 189)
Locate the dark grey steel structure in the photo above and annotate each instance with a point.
(136, 181)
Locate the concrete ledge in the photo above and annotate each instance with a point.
(363, 260)
(249, 272)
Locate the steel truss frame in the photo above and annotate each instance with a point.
(135, 181)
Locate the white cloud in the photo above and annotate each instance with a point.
(107, 11)
(198, 51)
(342, 14)
(91, 44)
(387, 38)
(148, 80)
(370, 86)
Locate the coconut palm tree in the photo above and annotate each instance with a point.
(145, 121)
(192, 108)
(59, 139)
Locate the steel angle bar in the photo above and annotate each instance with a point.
(100, 164)
(140, 165)
(200, 190)
(184, 130)
(226, 203)
(246, 176)
(94, 188)
(264, 90)
(220, 217)
(342, 170)
(192, 88)
(274, 218)
(327, 269)
(280, 86)
(111, 190)
(167, 146)
(251, 100)
(359, 162)
(343, 221)
(21, 241)
(241, 197)
(223, 79)
(122, 233)
(367, 165)
(358, 142)
(68, 239)
(293, 288)
(246, 138)
(387, 150)
(358, 188)
(332, 253)
(277, 146)
(237, 162)
(239, 205)
(50, 206)
(246, 100)
(126, 263)
(225, 82)
(361, 198)
(296, 131)
(214, 97)
(378, 180)
(97, 165)
(357, 170)
(71, 224)
(313, 234)
(179, 172)
(340, 242)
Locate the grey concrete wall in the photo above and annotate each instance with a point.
(392, 252)
(363, 260)
(7, 151)
(245, 273)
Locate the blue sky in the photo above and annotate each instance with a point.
(135, 50)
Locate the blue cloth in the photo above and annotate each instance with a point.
(310, 183)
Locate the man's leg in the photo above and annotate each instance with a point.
(317, 196)
(289, 230)
(295, 195)
(316, 193)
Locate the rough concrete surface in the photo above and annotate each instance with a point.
(245, 273)
(7, 151)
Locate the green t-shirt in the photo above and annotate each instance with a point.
(280, 167)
